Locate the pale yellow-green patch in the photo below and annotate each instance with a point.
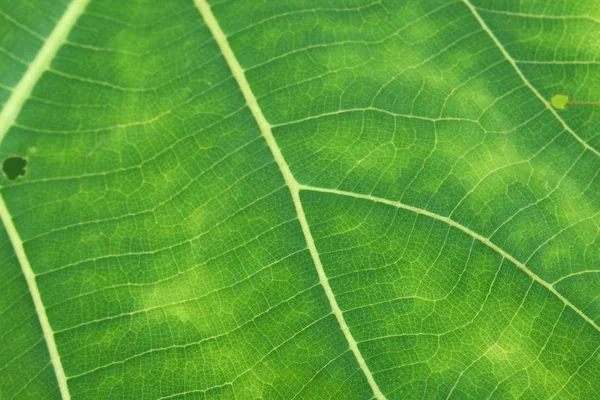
(495, 353)
(559, 101)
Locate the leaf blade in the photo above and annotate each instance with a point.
(166, 243)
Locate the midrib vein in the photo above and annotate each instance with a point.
(294, 187)
(512, 62)
(11, 110)
(466, 230)
(29, 275)
(40, 64)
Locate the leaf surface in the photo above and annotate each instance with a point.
(299, 199)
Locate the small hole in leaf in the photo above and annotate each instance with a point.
(14, 167)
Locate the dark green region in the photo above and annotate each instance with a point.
(14, 167)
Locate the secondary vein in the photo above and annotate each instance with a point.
(292, 184)
(524, 78)
(40, 64)
(466, 230)
(29, 275)
(9, 114)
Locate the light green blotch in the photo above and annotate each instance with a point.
(171, 297)
(495, 352)
(559, 101)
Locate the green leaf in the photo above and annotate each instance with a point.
(299, 199)
(559, 101)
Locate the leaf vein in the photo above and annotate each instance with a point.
(466, 230)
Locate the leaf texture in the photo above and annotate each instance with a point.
(345, 199)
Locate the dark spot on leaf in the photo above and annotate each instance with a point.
(14, 167)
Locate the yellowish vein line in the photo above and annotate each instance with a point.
(466, 230)
(524, 79)
(294, 187)
(40, 64)
(17, 244)
(9, 113)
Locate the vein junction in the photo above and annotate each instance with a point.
(294, 187)
(466, 230)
